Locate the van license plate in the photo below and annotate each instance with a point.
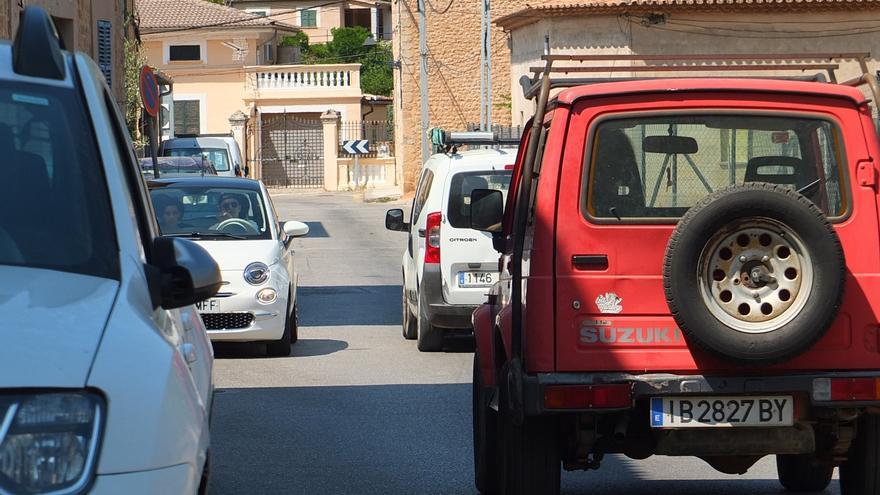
(477, 279)
(695, 412)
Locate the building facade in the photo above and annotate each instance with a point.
(96, 27)
(665, 27)
(453, 44)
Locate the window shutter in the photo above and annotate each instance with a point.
(309, 18)
(186, 117)
(105, 44)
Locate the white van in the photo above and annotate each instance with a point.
(447, 266)
(221, 150)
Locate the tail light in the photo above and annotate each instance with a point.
(846, 389)
(588, 396)
(432, 238)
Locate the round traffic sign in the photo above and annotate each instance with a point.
(149, 91)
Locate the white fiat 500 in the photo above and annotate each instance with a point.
(234, 219)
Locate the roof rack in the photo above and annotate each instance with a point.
(697, 63)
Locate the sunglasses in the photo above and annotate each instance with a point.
(229, 205)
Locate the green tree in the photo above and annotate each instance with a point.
(350, 45)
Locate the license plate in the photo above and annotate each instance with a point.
(208, 306)
(695, 412)
(477, 279)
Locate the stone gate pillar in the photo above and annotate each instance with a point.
(237, 122)
(330, 119)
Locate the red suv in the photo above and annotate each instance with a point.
(690, 267)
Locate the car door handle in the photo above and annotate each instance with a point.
(421, 232)
(590, 261)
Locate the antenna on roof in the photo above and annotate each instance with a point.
(36, 51)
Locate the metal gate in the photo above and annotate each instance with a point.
(292, 151)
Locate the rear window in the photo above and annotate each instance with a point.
(658, 167)
(55, 209)
(462, 184)
(218, 157)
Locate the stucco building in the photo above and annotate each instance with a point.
(316, 18)
(453, 40)
(680, 27)
(96, 27)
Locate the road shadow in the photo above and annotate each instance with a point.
(302, 348)
(341, 305)
(316, 229)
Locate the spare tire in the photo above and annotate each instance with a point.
(754, 273)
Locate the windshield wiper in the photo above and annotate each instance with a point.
(224, 235)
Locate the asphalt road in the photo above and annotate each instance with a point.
(356, 409)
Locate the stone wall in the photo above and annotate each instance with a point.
(788, 32)
(453, 72)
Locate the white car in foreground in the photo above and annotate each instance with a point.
(234, 219)
(105, 366)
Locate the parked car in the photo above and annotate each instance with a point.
(177, 166)
(106, 368)
(222, 151)
(686, 273)
(448, 267)
(235, 220)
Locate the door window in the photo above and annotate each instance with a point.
(422, 193)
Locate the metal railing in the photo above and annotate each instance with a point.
(380, 134)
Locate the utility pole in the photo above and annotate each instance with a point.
(486, 66)
(423, 79)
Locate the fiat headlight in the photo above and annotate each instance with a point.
(256, 273)
(49, 442)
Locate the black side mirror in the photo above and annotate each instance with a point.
(487, 210)
(394, 220)
(183, 273)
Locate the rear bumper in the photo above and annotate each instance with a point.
(439, 312)
(659, 385)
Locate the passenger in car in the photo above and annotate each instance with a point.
(169, 212)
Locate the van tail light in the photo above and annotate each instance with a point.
(588, 396)
(846, 389)
(432, 238)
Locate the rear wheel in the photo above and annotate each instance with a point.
(860, 473)
(485, 436)
(409, 322)
(801, 473)
(529, 459)
(429, 338)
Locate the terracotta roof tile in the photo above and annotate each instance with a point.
(160, 15)
(533, 13)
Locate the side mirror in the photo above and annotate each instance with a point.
(183, 273)
(394, 220)
(295, 229)
(487, 210)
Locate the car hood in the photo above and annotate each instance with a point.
(236, 255)
(51, 325)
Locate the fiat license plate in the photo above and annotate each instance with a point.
(477, 279)
(208, 306)
(695, 412)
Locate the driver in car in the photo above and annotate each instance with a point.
(229, 212)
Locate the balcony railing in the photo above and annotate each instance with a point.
(336, 77)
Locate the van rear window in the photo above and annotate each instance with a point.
(658, 167)
(217, 156)
(460, 188)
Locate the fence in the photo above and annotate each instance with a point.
(380, 134)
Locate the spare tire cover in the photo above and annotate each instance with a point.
(754, 273)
